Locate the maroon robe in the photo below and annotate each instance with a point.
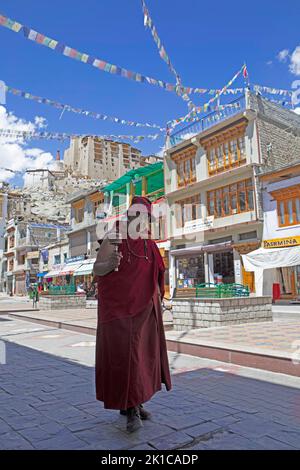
(131, 352)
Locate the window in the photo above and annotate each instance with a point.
(187, 210)
(248, 235)
(225, 150)
(79, 214)
(78, 211)
(160, 228)
(185, 165)
(56, 259)
(288, 205)
(11, 264)
(11, 241)
(231, 199)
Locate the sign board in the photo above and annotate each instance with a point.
(281, 242)
(73, 259)
(198, 224)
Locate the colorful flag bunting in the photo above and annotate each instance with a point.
(163, 54)
(42, 39)
(35, 135)
(206, 106)
(67, 107)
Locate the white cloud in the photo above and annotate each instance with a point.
(270, 62)
(295, 61)
(282, 56)
(15, 153)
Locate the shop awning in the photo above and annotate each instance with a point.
(86, 268)
(197, 248)
(42, 274)
(69, 268)
(271, 258)
(53, 273)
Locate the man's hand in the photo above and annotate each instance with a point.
(114, 260)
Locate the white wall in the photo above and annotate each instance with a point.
(38, 179)
(271, 228)
(3, 216)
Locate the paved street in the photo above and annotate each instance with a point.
(47, 400)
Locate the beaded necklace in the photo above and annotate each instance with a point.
(131, 252)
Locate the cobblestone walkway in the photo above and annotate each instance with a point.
(47, 400)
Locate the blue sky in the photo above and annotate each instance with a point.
(206, 41)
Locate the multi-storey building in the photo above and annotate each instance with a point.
(3, 215)
(83, 237)
(53, 256)
(93, 157)
(213, 189)
(24, 240)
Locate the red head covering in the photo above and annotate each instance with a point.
(142, 200)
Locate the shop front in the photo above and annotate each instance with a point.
(84, 278)
(189, 271)
(63, 275)
(276, 263)
(20, 282)
(212, 263)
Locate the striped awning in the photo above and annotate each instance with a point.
(69, 268)
(85, 268)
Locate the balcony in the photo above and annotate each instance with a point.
(208, 120)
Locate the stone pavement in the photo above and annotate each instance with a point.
(277, 337)
(266, 345)
(47, 400)
(14, 303)
(83, 320)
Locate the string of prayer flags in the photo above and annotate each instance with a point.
(148, 22)
(207, 106)
(272, 91)
(28, 135)
(72, 53)
(67, 107)
(162, 51)
(101, 64)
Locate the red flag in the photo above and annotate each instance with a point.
(245, 72)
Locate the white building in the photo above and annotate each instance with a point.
(213, 190)
(278, 260)
(41, 178)
(3, 215)
(93, 157)
(98, 158)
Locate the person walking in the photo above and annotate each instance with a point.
(131, 353)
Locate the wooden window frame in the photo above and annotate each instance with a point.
(184, 158)
(182, 204)
(78, 206)
(217, 143)
(212, 195)
(284, 196)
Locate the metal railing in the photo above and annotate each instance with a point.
(208, 120)
(62, 290)
(219, 291)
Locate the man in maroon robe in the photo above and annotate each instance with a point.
(131, 352)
